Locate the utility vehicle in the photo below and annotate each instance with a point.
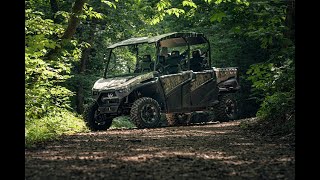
(169, 73)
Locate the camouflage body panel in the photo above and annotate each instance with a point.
(200, 79)
(121, 82)
(170, 82)
(223, 74)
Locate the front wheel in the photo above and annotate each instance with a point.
(145, 113)
(227, 108)
(96, 121)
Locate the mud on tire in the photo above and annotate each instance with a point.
(145, 113)
(227, 108)
(95, 121)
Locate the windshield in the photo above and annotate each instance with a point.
(130, 60)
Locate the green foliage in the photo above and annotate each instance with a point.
(163, 4)
(276, 84)
(175, 11)
(269, 78)
(262, 77)
(52, 127)
(47, 100)
(217, 16)
(169, 7)
(43, 76)
(90, 13)
(189, 3)
(265, 21)
(122, 122)
(278, 106)
(109, 3)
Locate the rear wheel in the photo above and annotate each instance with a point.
(96, 121)
(227, 108)
(145, 113)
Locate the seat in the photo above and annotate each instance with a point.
(162, 60)
(145, 65)
(161, 64)
(173, 63)
(196, 61)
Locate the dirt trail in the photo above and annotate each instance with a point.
(211, 151)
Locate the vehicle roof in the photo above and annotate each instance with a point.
(173, 39)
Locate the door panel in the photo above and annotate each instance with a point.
(186, 95)
(177, 90)
(203, 88)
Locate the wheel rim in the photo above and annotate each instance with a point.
(100, 119)
(230, 108)
(148, 113)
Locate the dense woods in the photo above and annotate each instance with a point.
(66, 41)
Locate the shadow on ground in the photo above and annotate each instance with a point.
(212, 151)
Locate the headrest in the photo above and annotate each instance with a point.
(146, 58)
(196, 53)
(175, 53)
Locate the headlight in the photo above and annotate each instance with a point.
(95, 92)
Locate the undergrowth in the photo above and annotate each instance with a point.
(51, 127)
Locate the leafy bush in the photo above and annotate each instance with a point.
(52, 127)
(45, 76)
(276, 84)
(277, 106)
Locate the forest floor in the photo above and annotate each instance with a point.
(209, 151)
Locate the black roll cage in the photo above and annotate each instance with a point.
(157, 41)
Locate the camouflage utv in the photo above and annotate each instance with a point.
(169, 73)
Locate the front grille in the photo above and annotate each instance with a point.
(111, 101)
(110, 95)
(109, 98)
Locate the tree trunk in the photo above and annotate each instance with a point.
(74, 19)
(72, 26)
(85, 57)
(290, 20)
(80, 89)
(83, 62)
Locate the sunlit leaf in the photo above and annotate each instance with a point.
(217, 16)
(110, 4)
(189, 3)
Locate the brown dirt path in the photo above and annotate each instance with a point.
(211, 151)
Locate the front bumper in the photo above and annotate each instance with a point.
(109, 109)
(108, 101)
